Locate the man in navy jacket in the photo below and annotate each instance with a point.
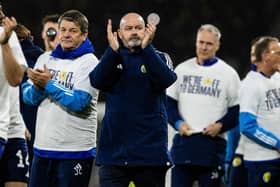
(134, 76)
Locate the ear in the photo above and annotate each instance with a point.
(43, 34)
(85, 35)
(119, 33)
(218, 45)
(265, 57)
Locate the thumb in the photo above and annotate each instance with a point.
(46, 68)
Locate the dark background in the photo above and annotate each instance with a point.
(239, 22)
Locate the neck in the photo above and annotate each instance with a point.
(200, 61)
(206, 62)
(267, 71)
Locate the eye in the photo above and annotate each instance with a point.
(275, 52)
(139, 27)
(127, 28)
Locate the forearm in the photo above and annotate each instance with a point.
(174, 117)
(105, 74)
(13, 70)
(72, 100)
(160, 72)
(230, 120)
(250, 128)
(31, 95)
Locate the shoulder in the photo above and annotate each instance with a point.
(88, 60)
(226, 68)
(89, 56)
(249, 82)
(166, 57)
(44, 55)
(185, 64)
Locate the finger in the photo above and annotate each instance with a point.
(13, 19)
(37, 71)
(205, 131)
(109, 26)
(189, 133)
(181, 133)
(151, 27)
(45, 68)
(115, 35)
(13, 22)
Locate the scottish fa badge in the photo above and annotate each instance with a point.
(143, 69)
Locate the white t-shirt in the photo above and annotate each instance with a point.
(204, 93)
(259, 96)
(56, 128)
(17, 125)
(7, 95)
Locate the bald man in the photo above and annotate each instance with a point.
(134, 76)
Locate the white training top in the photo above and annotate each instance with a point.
(56, 128)
(17, 125)
(204, 93)
(8, 97)
(259, 96)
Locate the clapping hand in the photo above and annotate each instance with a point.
(149, 35)
(39, 77)
(9, 24)
(112, 37)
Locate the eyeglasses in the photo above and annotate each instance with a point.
(275, 52)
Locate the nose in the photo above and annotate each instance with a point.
(66, 34)
(204, 46)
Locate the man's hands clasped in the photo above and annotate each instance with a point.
(39, 77)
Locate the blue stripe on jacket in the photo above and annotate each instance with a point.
(250, 128)
(73, 100)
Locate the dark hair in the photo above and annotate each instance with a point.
(262, 46)
(77, 17)
(23, 32)
(50, 18)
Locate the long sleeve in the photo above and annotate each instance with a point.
(173, 112)
(31, 95)
(107, 71)
(233, 137)
(230, 120)
(162, 74)
(73, 100)
(250, 128)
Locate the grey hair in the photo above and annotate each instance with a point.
(211, 28)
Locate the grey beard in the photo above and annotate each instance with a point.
(134, 43)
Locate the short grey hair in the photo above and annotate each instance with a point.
(211, 28)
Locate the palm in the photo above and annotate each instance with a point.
(149, 35)
(112, 37)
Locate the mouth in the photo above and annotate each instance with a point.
(66, 41)
(134, 38)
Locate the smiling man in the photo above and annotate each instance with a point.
(65, 138)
